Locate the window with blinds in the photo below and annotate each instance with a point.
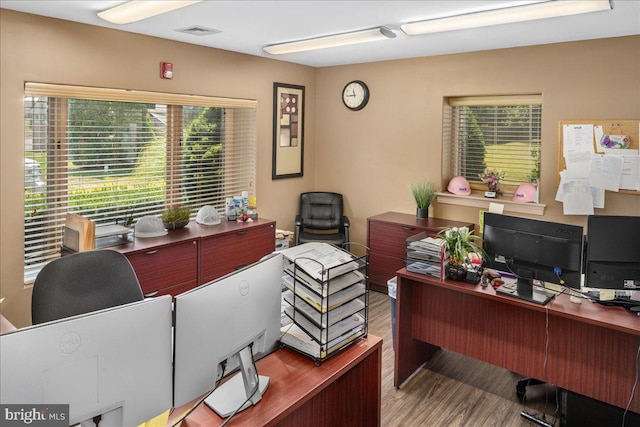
(499, 133)
(114, 156)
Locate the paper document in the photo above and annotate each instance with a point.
(606, 172)
(327, 303)
(323, 319)
(630, 177)
(577, 198)
(577, 138)
(330, 333)
(578, 164)
(321, 261)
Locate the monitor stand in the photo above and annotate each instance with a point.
(240, 391)
(524, 290)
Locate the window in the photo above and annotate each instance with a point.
(114, 156)
(501, 132)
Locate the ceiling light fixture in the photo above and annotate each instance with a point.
(379, 33)
(529, 12)
(137, 10)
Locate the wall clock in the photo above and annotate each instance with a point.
(355, 95)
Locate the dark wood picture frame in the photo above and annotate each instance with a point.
(288, 131)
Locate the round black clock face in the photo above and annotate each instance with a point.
(355, 95)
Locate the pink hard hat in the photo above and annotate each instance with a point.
(525, 193)
(459, 185)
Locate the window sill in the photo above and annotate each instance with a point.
(477, 200)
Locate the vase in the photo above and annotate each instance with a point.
(422, 212)
(493, 186)
(175, 225)
(456, 272)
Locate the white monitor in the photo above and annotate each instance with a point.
(216, 322)
(115, 363)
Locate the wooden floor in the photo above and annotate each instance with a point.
(451, 389)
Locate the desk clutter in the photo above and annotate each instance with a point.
(325, 299)
(81, 234)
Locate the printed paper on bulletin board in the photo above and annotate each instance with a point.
(607, 127)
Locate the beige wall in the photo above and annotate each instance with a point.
(370, 156)
(53, 51)
(374, 154)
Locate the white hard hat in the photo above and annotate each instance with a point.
(149, 226)
(208, 215)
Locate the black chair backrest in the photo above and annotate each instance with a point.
(81, 283)
(321, 210)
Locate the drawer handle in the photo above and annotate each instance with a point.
(406, 227)
(152, 252)
(151, 294)
(241, 233)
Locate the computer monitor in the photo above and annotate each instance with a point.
(115, 363)
(533, 250)
(613, 252)
(218, 321)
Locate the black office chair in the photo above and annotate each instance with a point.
(321, 219)
(81, 283)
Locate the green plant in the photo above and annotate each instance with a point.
(460, 242)
(176, 214)
(423, 193)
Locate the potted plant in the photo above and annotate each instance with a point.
(460, 242)
(423, 193)
(176, 217)
(492, 177)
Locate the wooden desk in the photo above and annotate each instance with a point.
(344, 390)
(5, 325)
(592, 349)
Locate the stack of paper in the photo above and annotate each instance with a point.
(79, 233)
(325, 298)
(293, 336)
(426, 255)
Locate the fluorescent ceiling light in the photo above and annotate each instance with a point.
(529, 12)
(136, 10)
(379, 33)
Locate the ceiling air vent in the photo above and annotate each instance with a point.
(198, 31)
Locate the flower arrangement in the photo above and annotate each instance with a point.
(492, 177)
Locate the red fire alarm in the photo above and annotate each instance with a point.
(166, 70)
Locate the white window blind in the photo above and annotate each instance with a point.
(114, 156)
(498, 132)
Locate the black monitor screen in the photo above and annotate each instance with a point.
(613, 252)
(546, 251)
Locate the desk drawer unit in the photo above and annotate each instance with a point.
(386, 238)
(168, 269)
(225, 253)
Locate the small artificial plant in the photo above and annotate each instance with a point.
(460, 243)
(423, 193)
(176, 215)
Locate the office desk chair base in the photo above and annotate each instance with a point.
(534, 419)
(521, 386)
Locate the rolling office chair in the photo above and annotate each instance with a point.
(321, 219)
(81, 283)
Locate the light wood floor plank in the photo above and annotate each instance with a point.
(451, 389)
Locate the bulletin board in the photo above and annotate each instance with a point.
(609, 127)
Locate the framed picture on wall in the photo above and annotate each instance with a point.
(288, 131)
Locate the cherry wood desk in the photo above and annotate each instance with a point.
(344, 390)
(591, 348)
